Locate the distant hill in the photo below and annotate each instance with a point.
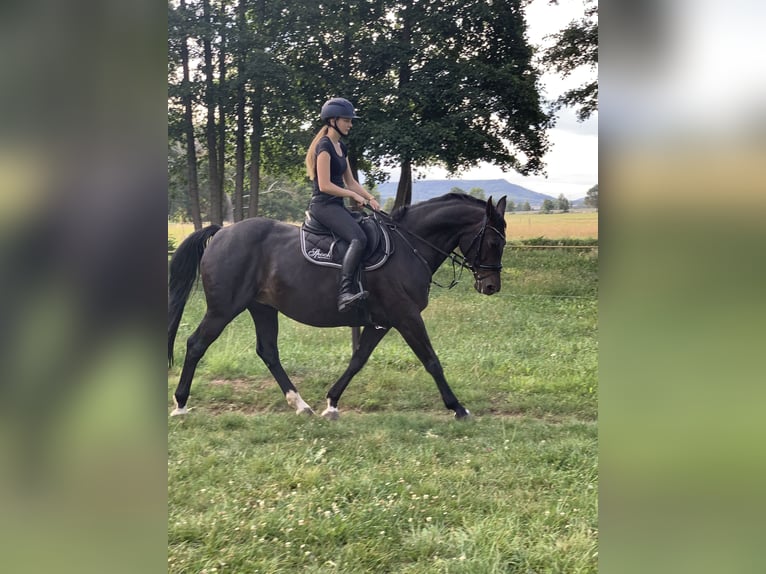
(425, 189)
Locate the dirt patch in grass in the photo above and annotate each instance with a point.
(253, 385)
(239, 384)
(218, 408)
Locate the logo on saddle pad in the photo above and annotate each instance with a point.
(320, 246)
(318, 254)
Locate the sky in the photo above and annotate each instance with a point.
(572, 163)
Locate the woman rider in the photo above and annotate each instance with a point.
(327, 166)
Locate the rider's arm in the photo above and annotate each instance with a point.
(351, 183)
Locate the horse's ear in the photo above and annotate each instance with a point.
(490, 207)
(501, 206)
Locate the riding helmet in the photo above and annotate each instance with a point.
(338, 108)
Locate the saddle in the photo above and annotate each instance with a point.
(321, 246)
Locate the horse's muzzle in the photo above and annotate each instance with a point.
(487, 287)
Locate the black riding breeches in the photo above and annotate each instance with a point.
(339, 220)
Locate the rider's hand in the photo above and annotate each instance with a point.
(374, 204)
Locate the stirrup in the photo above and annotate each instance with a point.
(348, 300)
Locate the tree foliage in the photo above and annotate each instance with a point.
(591, 198)
(478, 193)
(461, 89)
(576, 46)
(448, 82)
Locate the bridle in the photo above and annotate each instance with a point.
(476, 266)
(458, 261)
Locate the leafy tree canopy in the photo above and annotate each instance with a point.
(449, 83)
(576, 46)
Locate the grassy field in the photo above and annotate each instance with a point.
(524, 225)
(396, 485)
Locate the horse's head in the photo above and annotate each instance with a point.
(484, 251)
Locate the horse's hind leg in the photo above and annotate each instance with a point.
(208, 331)
(370, 338)
(414, 332)
(266, 332)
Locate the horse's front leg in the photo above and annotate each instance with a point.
(414, 332)
(370, 338)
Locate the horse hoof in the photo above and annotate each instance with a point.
(301, 407)
(464, 416)
(179, 411)
(331, 414)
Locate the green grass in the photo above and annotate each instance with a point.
(397, 485)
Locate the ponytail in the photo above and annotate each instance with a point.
(311, 158)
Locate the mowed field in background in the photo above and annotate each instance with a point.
(573, 225)
(522, 225)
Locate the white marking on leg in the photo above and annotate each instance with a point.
(331, 413)
(300, 406)
(178, 410)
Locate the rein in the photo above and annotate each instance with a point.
(457, 260)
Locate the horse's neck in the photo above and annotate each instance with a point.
(443, 226)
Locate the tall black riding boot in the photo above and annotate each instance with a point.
(346, 296)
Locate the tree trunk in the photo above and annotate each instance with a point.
(257, 108)
(239, 178)
(225, 201)
(404, 189)
(191, 149)
(239, 152)
(216, 199)
(255, 151)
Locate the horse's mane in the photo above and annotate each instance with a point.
(399, 213)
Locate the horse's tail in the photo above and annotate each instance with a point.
(184, 266)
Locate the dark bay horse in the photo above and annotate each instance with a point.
(257, 265)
